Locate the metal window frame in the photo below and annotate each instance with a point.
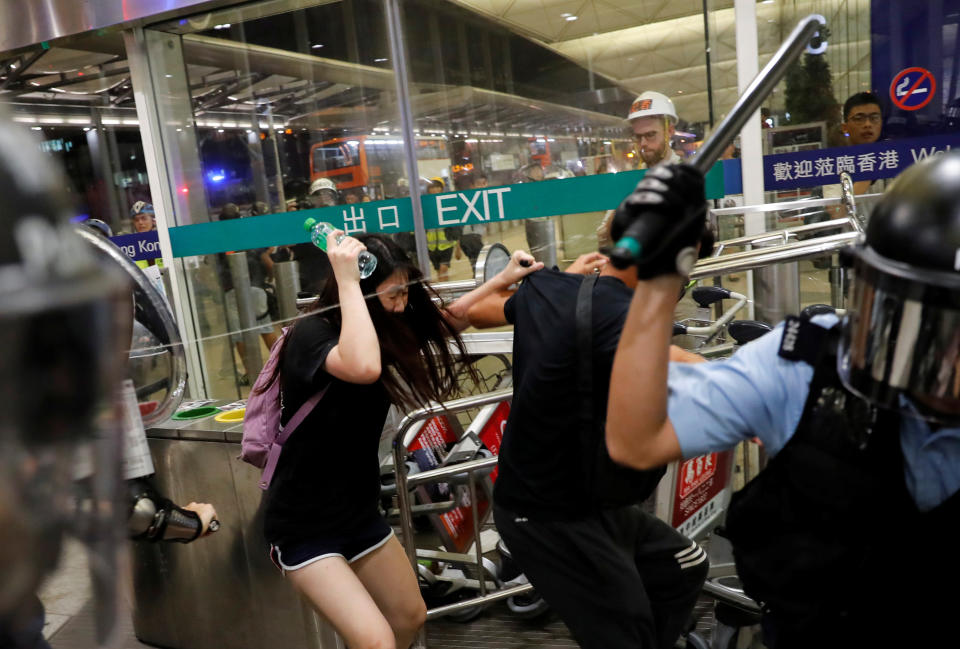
(162, 192)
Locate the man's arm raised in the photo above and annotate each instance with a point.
(667, 211)
(639, 433)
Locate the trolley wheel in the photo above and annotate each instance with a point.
(466, 615)
(527, 606)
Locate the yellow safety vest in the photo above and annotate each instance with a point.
(143, 263)
(437, 240)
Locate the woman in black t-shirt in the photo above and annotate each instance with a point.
(370, 342)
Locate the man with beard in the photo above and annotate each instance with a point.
(653, 120)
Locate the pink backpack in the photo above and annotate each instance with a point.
(263, 436)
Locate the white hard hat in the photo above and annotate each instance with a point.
(322, 183)
(652, 104)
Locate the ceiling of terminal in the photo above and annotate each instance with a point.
(659, 44)
(637, 44)
(231, 82)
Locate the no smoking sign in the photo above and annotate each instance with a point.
(913, 88)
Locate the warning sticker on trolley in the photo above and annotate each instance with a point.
(696, 472)
(492, 432)
(699, 482)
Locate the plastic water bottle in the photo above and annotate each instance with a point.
(320, 230)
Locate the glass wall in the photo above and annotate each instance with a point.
(272, 112)
(77, 98)
(266, 112)
(277, 107)
(525, 94)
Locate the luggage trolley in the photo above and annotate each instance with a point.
(468, 520)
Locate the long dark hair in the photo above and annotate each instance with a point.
(417, 364)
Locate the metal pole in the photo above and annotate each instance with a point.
(404, 503)
(257, 163)
(273, 142)
(776, 294)
(399, 54)
(760, 257)
(706, 42)
(240, 275)
(758, 90)
(475, 511)
(287, 278)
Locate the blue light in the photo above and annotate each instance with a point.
(216, 176)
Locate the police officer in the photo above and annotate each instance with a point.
(64, 333)
(653, 120)
(144, 218)
(846, 538)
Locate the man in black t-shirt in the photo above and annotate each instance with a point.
(618, 577)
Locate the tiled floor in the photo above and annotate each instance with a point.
(67, 591)
(71, 618)
(496, 628)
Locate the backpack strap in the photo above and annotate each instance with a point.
(273, 456)
(584, 319)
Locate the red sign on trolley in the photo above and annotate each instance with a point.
(913, 88)
(699, 490)
(492, 433)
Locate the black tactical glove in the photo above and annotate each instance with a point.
(658, 226)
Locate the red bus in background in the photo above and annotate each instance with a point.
(540, 151)
(375, 161)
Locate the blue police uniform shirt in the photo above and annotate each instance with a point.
(756, 393)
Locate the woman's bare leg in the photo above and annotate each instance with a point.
(388, 577)
(335, 591)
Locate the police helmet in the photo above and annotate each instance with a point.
(901, 346)
(141, 207)
(229, 211)
(97, 225)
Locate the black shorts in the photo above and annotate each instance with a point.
(440, 257)
(352, 545)
(619, 579)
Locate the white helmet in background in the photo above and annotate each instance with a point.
(652, 104)
(322, 183)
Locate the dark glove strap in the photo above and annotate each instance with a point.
(182, 525)
(167, 522)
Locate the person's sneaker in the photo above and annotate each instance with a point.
(244, 380)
